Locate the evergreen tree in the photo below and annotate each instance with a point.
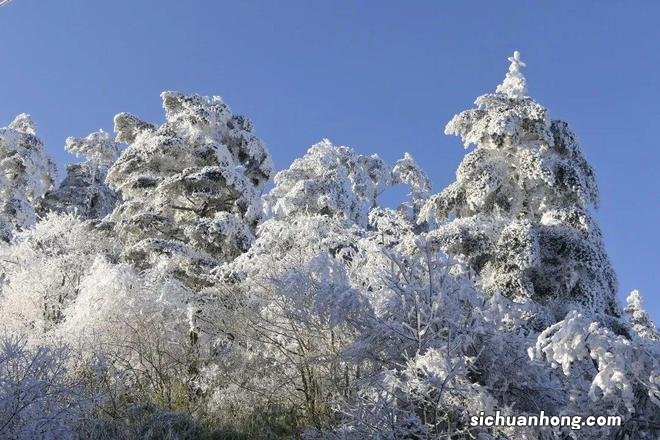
(191, 187)
(84, 191)
(330, 180)
(639, 318)
(519, 210)
(26, 173)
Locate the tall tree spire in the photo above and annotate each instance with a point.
(514, 84)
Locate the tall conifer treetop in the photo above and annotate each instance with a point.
(514, 84)
(519, 210)
(26, 173)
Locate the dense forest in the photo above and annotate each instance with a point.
(174, 286)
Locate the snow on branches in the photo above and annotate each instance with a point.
(26, 173)
(330, 180)
(519, 210)
(191, 187)
(152, 296)
(84, 191)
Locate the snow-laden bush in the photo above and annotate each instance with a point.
(603, 373)
(38, 398)
(42, 272)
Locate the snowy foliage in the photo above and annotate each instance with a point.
(413, 352)
(151, 297)
(514, 84)
(330, 180)
(26, 173)
(604, 372)
(98, 148)
(518, 212)
(115, 296)
(84, 191)
(43, 270)
(190, 187)
(291, 295)
(38, 399)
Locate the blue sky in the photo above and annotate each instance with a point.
(379, 76)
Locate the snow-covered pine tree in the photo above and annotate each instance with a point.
(191, 187)
(639, 318)
(26, 173)
(344, 185)
(519, 210)
(330, 180)
(84, 191)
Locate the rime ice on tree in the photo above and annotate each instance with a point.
(330, 180)
(84, 191)
(191, 187)
(520, 205)
(639, 318)
(26, 173)
(514, 84)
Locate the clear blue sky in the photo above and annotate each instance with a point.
(379, 76)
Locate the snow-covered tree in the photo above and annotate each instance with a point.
(287, 300)
(138, 325)
(434, 349)
(330, 180)
(414, 350)
(84, 191)
(519, 210)
(190, 187)
(26, 173)
(639, 318)
(42, 272)
(284, 322)
(325, 304)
